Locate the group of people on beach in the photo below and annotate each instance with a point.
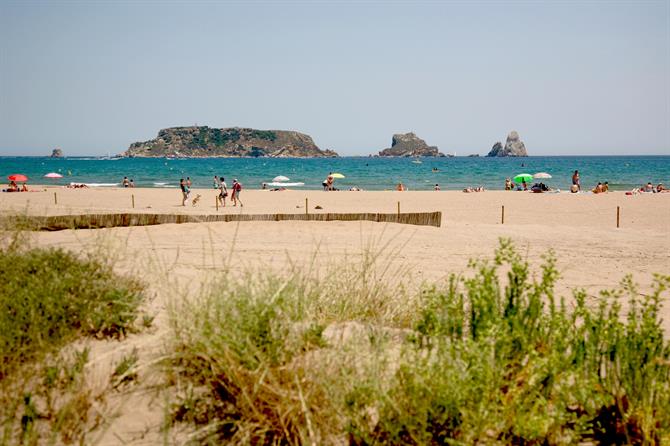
(220, 185)
(128, 182)
(649, 189)
(14, 187)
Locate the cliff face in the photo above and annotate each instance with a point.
(204, 141)
(513, 147)
(408, 144)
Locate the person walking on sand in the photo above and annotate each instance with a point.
(235, 197)
(185, 191)
(223, 191)
(575, 180)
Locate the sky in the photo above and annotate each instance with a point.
(571, 77)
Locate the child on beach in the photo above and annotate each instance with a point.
(185, 191)
(235, 197)
(575, 180)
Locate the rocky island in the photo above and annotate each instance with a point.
(203, 141)
(56, 153)
(408, 144)
(513, 147)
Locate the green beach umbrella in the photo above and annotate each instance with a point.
(523, 177)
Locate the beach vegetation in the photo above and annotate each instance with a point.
(50, 298)
(493, 356)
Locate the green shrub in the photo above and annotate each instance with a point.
(265, 359)
(49, 297)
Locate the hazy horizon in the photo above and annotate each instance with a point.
(589, 78)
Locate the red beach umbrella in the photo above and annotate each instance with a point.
(17, 177)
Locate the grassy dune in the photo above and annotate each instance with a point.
(48, 299)
(347, 358)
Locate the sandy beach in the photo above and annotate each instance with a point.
(581, 229)
(592, 253)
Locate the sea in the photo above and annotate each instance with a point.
(367, 173)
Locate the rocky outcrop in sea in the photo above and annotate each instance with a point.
(408, 144)
(56, 153)
(203, 141)
(513, 147)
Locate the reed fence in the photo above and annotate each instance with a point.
(95, 221)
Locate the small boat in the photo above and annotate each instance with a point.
(417, 161)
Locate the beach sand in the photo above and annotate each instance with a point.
(581, 230)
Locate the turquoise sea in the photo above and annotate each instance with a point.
(622, 172)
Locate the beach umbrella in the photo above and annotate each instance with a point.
(280, 178)
(337, 175)
(53, 175)
(542, 176)
(523, 177)
(17, 177)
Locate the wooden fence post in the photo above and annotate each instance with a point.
(55, 198)
(216, 202)
(398, 211)
(502, 217)
(133, 199)
(306, 206)
(617, 216)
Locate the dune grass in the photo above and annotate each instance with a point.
(48, 299)
(491, 357)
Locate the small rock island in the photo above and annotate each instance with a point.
(408, 144)
(513, 147)
(204, 142)
(56, 153)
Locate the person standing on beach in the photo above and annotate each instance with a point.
(437, 187)
(217, 183)
(188, 183)
(575, 180)
(126, 183)
(131, 183)
(185, 191)
(235, 197)
(223, 191)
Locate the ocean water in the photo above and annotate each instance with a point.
(622, 172)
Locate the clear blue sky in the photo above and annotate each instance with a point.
(571, 77)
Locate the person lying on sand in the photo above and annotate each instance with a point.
(468, 190)
(598, 189)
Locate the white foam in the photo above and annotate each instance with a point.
(98, 184)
